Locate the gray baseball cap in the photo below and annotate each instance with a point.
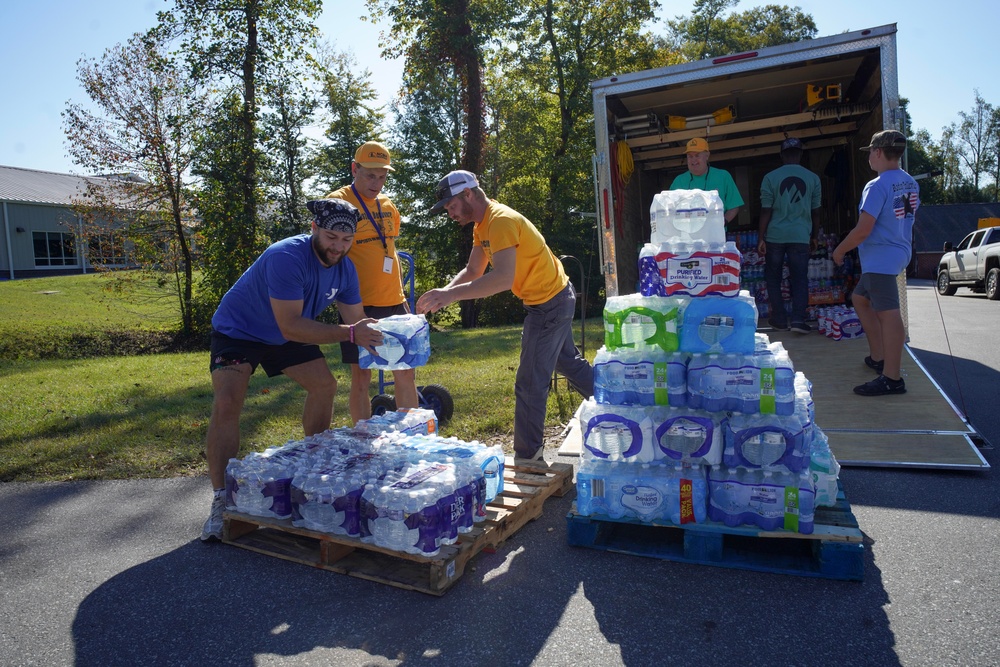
(452, 184)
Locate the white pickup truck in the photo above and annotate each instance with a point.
(974, 263)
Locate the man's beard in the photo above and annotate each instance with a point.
(464, 213)
(326, 257)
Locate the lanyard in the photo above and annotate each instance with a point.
(375, 224)
(704, 178)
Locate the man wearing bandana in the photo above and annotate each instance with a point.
(269, 318)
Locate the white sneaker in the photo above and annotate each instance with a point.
(212, 532)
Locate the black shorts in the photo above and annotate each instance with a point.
(349, 351)
(274, 359)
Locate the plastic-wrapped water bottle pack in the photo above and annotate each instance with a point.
(410, 493)
(405, 344)
(634, 321)
(687, 216)
(648, 492)
(420, 508)
(693, 269)
(490, 460)
(410, 421)
(771, 499)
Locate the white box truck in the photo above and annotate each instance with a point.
(833, 93)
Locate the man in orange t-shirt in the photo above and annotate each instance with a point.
(521, 262)
(374, 256)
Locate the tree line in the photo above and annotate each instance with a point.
(206, 122)
(965, 160)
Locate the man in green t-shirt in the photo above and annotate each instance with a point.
(701, 176)
(790, 200)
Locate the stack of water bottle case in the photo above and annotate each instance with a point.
(696, 416)
(389, 481)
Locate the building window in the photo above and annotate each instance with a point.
(54, 249)
(106, 249)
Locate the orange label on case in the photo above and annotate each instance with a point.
(687, 502)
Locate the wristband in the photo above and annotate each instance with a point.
(352, 333)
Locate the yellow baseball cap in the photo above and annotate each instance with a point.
(373, 155)
(696, 145)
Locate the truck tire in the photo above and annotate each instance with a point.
(993, 285)
(944, 286)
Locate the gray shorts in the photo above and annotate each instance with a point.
(879, 288)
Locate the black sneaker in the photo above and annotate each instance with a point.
(881, 386)
(776, 326)
(801, 327)
(876, 366)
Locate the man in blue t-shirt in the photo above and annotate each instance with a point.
(883, 236)
(269, 318)
(790, 201)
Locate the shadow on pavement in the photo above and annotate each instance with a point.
(535, 601)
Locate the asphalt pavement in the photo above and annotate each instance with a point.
(112, 573)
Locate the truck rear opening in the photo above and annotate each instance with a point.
(833, 93)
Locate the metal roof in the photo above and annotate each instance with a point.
(935, 224)
(41, 187)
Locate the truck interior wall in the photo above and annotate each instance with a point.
(633, 231)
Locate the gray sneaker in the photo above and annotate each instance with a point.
(212, 532)
(537, 457)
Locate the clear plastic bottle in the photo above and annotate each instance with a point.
(784, 384)
(743, 383)
(659, 216)
(695, 394)
(676, 373)
(591, 487)
(713, 384)
(767, 365)
(612, 438)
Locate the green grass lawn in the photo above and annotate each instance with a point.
(146, 416)
(91, 301)
(57, 317)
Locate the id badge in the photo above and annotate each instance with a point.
(387, 265)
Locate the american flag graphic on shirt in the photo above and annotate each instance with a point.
(905, 204)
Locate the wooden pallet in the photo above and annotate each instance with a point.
(526, 487)
(835, 549)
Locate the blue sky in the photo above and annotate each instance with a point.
(944, 53)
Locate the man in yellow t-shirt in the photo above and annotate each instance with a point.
(374, 256)
(520, 261)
